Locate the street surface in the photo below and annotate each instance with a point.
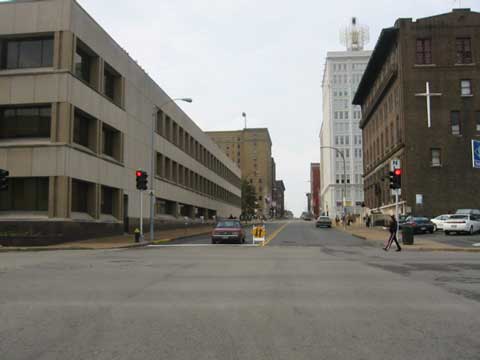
(309, 294)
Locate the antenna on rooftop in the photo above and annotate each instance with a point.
(355, 36)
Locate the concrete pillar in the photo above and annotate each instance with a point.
(62, 124)
(59, 201)
(64, 50)
(118, 204)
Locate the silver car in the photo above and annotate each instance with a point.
(323, 221)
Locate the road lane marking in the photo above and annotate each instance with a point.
(275, 233)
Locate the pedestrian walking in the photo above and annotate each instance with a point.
(393, 235)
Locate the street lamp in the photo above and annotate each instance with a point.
(152, 164)
(344, 179)
(244, 115)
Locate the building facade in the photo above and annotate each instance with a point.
(340, 130)
(315, 188)
(76, 118)
(441, 53)
(251, 150)
(279, 198)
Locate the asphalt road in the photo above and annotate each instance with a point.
(324, 296)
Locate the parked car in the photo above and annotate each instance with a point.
(420, 225)
(439, 221)
(462, 223)
(228, 230)
(323, 221)
(468, 212)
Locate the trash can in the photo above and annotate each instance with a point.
(407, 235)
(137, 235)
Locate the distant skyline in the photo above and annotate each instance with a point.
(265, 59)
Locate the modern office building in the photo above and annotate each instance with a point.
(420, 99)
(251, 150)
(76, 119)
(340, 133)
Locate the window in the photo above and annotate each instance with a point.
(86, 64)
(112, 84)
(25, 194)
(111, 142)
(25, 122)
(464, 51)
(466, 87)
(81, 192)
(26, 53)
(107, 200)
(84, 130)
(455, 122)
(436, 157)
(424, 52)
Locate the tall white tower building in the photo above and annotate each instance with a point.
(343, 190)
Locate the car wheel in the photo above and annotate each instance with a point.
(434, 228)
(213, 241)
(243, 240)
(432, 231)
(471, 232)
(447, 232)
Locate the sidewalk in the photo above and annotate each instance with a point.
(377, 237)
(118, 242)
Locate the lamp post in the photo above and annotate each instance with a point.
(244, 115)
(152, 163)
(344, 179)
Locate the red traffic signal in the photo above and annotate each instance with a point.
(142, 179)
(398, 172)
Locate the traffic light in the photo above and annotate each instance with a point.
(397, 178)
(391, 176)
(4, 179)
(142, 180)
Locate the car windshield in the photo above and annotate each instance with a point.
(324, 218)
(228, 224)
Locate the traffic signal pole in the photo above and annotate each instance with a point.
(141, 214)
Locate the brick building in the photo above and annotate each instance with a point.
(444, 52)
(251, 150)
(315, 188)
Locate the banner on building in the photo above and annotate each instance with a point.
(476, 153)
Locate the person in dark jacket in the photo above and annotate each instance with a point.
(393, 235)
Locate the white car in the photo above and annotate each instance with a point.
(462, 223)
(439, 221)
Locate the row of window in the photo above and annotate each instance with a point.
(457, 124)
(23, 53)
(345, 140)
(87, 69)
(463, 51)
(170, 170)
(345, 67)
(174, 133)
(35, 122)
(31, 194)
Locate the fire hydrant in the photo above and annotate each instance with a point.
(137, 235)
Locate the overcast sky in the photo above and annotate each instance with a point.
(262, 57)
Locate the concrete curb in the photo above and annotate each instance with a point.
(80, 248)
(73, 248)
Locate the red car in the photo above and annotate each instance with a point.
(228, 230)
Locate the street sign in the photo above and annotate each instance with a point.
(259, 233)
(476, 153)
